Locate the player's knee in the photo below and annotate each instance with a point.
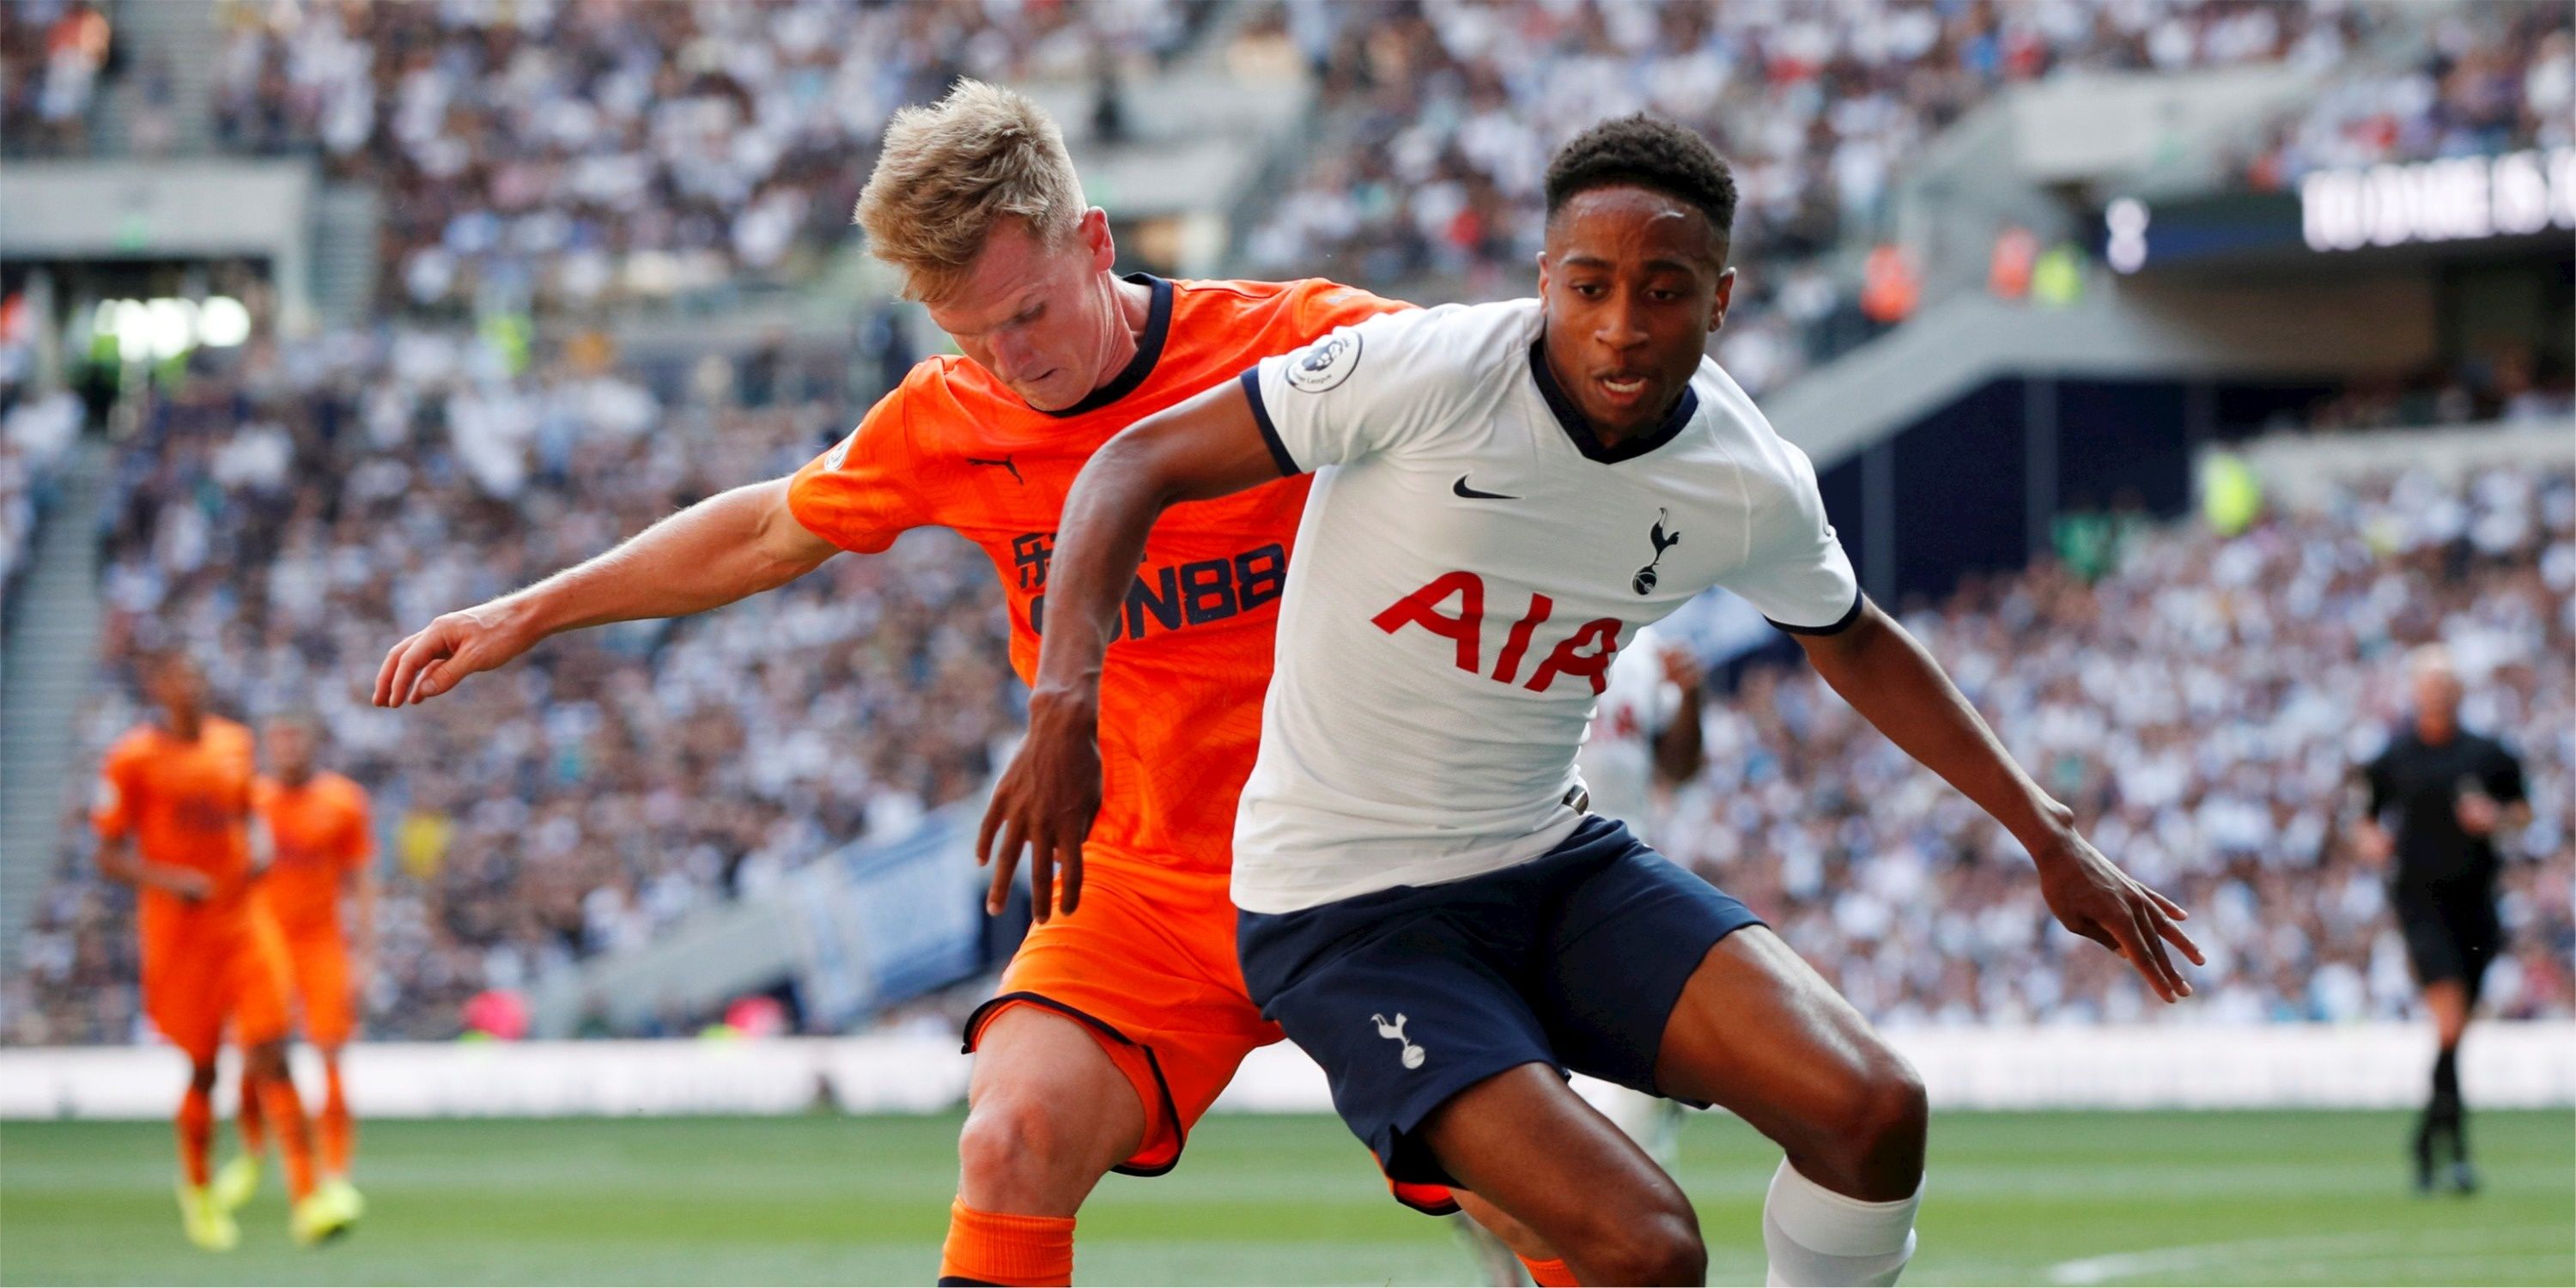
(1873, 1137)
(201, 1078)
(1868, 1132)
(1662, 1246)
(1018, 1150)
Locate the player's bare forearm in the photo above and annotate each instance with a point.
(1206, 447)
(118, 861)
(1679, 751)
(727, 547)
(1045, 801)
(1878, 667)
(730, 546)
(362, 916)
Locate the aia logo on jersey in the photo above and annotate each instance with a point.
(1586, 652)
(1644, 581)
(1326, 363)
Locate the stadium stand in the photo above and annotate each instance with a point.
(537, 822)
(292, 509)
(1443, 119)
(571, 156)
(292, 512)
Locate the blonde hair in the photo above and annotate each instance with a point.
(952, 171)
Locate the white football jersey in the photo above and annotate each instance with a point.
(1466, 571)
(1617, 762)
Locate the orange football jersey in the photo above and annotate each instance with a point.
(1180, 701)
(321, 834)
(187, 804)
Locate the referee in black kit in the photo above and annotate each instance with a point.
(2439, 795)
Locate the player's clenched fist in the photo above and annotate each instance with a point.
(437, 657)
(1045, 802)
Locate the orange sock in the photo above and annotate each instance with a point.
(1549, 1274)
(285, 1111)
(251, 1122)
(196, 1125)
(1018, 1251)
(339, 1134)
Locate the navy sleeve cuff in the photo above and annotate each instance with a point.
(1269, 432)
(1840, 624)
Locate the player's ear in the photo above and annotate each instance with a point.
(1725, 296)
(1542, 275)
(1093, 229)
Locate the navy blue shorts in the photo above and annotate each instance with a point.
(1409, 996)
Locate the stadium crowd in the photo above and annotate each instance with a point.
(1440, 118)
(287, 520)
(596, 151)
(53, 55)
(2202, 706)
(2495, 78)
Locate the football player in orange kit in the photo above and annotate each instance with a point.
(1124, 1013)
(174, 820)
(317, 822)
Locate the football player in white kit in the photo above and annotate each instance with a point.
(1505, 493)
(1644, 734)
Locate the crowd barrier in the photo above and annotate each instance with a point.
(2530, 1065)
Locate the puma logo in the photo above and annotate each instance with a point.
(1413, 1054)
(1004, 462)
(1644, 582)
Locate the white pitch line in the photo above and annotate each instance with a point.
(2330, 1247)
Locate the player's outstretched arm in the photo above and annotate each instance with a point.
(1877, 666)
(1209, 446)
(724, 548)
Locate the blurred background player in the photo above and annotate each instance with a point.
(174, 817)
(322, 844)
(2438, 797)
(1644, 736)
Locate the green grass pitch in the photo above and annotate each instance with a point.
(2275, 1198)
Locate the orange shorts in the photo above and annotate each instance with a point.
(1147, 965)
(319, 962)
(205, 967)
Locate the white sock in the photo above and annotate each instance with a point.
(1817, 1237)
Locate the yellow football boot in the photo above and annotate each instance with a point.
(236, 1182)
(322, 1216)
(346, 1195)
(207, 1225)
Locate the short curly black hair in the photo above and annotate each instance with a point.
(1644, 152)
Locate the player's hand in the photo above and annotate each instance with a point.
(2478, 813)
(2372, 843)
(1045, 802)
(2092, 897)
(437, 657)
(1682, 667)
(188, 884)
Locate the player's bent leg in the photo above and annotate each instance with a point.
(1758, 1031)
(1527, 1145)
(1510, 1254)
(1048, 1114)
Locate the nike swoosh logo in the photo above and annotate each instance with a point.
(1460, 487)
